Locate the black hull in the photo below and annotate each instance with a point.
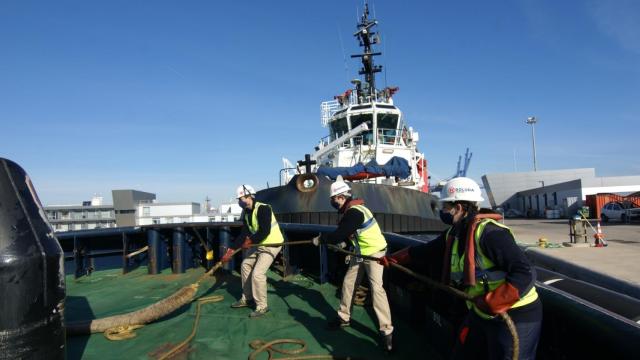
(396, 209)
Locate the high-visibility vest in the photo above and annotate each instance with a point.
(275, 235)
(488, 277)
(369, 239)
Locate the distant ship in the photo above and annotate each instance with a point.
(369, 144)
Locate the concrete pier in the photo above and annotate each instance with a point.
(616, 266)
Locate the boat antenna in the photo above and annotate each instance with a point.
(344, 55)
(367, 38)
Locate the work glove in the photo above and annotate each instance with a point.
(499, 300)
(387, 260)
(227, 256)
(318, 240)
(400, 257)
(247, 243)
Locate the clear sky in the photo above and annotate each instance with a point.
(190, 98)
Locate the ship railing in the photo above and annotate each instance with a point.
(391, 137)
(325, 141)
(327, 109)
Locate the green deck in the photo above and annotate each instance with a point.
(299, 309)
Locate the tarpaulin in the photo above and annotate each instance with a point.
(396, 167)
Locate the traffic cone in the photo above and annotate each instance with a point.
(599, 236)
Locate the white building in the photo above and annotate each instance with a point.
(531, 193)
(90, 215)
(175, 213)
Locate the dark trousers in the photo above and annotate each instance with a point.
(491, 339)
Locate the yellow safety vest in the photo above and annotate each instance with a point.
(488, 278)
(275, 235)
(369, 238)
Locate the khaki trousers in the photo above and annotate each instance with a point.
(254, 274)
(380, 302)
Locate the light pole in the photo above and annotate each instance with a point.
(531, 120)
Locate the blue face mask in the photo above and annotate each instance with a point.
(446, 217)
(242, 204)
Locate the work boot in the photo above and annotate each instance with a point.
(337, 324)
(258, 312)
(242, 303)
(387, 342)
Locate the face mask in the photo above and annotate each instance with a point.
(335, 204)
(242, 204)
(447, 216)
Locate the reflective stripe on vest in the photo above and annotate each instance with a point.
(275, 235)
(488, 278)
(369, 236)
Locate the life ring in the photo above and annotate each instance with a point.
(307, 183)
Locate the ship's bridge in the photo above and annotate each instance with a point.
(386, 136)
(384, 122)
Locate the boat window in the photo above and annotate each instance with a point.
(387, 121)
(338, 128)
(366, 137)
(387, 124)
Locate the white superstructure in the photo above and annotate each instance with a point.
(365, 125)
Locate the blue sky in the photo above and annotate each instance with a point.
(190, 98)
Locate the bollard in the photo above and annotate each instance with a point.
(32, 283)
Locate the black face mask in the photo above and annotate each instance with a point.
(242, 204)
(335, 204)
(446, 217)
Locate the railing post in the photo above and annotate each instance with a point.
(125, 252)
(77, 257)
(209, 242)
(324, 264)
(178, 243)
(286, 266)
(154, 241)
(224, 234)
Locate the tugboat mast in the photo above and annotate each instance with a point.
(367, 38)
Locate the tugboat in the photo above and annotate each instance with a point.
(370, 144)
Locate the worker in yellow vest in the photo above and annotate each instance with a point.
(358, 226)
(481, 258)
(259, 227)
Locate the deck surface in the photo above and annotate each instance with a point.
(299, 309)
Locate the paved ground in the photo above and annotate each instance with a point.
(557, 231)
(619, 260)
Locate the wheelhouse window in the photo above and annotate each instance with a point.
(366, 137)
(388, 121)
(387, 125)
(338, 127)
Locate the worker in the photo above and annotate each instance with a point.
(480, 257)
(259, 227)
(358, 225)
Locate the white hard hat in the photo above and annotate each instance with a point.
(461, 189)
(244, 190)
(339, 187)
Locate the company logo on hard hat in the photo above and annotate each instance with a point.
(460, 190)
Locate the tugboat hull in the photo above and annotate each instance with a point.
(396, 209)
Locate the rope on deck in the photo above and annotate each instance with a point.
(201, 301)
(269, 347)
